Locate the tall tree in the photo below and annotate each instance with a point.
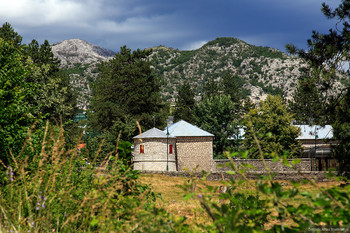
(56, 99)
(230, 85)
(185, 103)
(307, 104)
(215, 114)
(126, 90)
(16, 112)
(271, 124)
(328, 56)
(210, 88)
(8, 34)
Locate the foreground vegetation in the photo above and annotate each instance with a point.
(57, 191)
(172, 194)
(47, 185)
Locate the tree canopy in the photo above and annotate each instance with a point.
(215, 114)
(271, 124)
(32, 89)
(17, 113)
(185, 102)
(328, 57)
(124, 92)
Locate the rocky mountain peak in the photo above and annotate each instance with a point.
(75, 51)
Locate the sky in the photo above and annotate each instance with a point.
(180, 24)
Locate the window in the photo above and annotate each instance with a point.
(170, 149)
(142, 149)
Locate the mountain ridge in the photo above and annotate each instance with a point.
(74, 51)
(261, 70)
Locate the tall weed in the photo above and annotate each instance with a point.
(56, 191)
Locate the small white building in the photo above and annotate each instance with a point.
(189, 147)
(151, 152)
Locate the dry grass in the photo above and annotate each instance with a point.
(173, 195)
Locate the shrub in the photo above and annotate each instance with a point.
(56, 191)
(270, 209)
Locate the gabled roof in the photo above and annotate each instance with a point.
(308, 132)
(152, 133)
(185, 129)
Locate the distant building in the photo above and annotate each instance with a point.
(317, 136)
(317, 142)
(180, 146)
(150, 151)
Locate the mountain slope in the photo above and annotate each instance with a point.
(75, 51)
(80, 59)
(261, 70)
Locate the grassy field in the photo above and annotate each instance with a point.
(173, 194)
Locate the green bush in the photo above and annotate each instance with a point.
(57, 191)
(269, 208)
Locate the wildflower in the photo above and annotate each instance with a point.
(10, 172)
(41, 202)
(30, 223)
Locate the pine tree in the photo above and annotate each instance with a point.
(56, 99)
(328, 56)
(230, 86)
(126, 91)
(210, 88)
(185, 103)
(8, 34)
(307, 104)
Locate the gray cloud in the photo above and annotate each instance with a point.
(184, 24)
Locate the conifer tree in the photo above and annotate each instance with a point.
(8, 34)
(126, 91)
(185, 103)
(307, 104)
(230, 86)
(56, 99)
(328, 56)
(210, 88)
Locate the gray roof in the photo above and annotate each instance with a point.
(308, 132)
(185, 129)
(152, 133)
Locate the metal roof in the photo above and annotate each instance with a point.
(322, 132)
(185, 129)
(152, 133)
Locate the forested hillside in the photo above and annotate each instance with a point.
(259, 70)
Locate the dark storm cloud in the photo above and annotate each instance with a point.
(183, 24)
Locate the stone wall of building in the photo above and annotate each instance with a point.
(193, 152)
(155, 154)
(304, 165)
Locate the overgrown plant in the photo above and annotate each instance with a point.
(55, 191)
(270, 207)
